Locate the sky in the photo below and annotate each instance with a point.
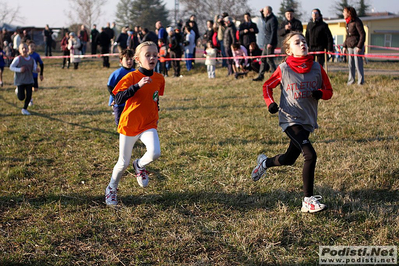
(38, 13)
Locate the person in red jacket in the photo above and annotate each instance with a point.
(303, 83)
(65, 50)
(163, 55)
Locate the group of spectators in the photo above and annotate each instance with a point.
(232, 41)
(222, 34)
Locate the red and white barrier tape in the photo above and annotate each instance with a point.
(392, 56)
(375, 46)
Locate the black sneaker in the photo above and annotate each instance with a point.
(258, 78)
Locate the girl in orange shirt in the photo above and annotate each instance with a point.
(140, 90)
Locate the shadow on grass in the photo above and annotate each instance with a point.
(71, 114)
(388, 138)
(378, 201)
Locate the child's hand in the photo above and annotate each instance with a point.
(273, 108)
(143, 81)
(23, 69)
(318, 94)
(41, 77)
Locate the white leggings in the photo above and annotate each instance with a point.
(151, 141)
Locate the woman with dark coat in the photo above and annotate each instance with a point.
(354, 44)
(104, 40)
(229, 38)
(318, 36)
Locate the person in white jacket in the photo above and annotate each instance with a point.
(74, 46)
(210, 61)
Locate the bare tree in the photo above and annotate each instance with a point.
(207, 9)
(8, 14)
(85, 12)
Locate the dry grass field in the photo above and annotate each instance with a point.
(201, 207)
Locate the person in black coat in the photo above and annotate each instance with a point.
(104, 41)
(122, 40)
(175, 46)
(289, 24)
(247, 31)
(48, 40)
(318, 36)
(194, 26)
(229, 38)
(208, 33)
(270, 31)
(149, 36)
(93, 36)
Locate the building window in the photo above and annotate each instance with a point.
(384, 40)
(388, 40)
(395, 40)
(339, 39)
(377, 40)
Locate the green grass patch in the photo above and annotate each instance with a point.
(201, 207)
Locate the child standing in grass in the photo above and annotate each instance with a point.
(23, 66)
(303, 84)
(126, 60)
(38, 60)
(140, 90)
(210, 61)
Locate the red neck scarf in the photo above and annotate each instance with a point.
(348, 19)
(301, 64)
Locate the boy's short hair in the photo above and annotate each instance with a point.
(29, 42)
(126, 53)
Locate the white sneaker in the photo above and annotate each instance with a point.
(260, 169)
(16, 91)
(25, 112)
(31, 102)
(110, 196)
(312, 204)
(141, 174)
(261, 158)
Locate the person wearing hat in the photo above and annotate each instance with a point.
(247, 31)
(270, 31)
(290, 23)
(74, 46)
(229, 38)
